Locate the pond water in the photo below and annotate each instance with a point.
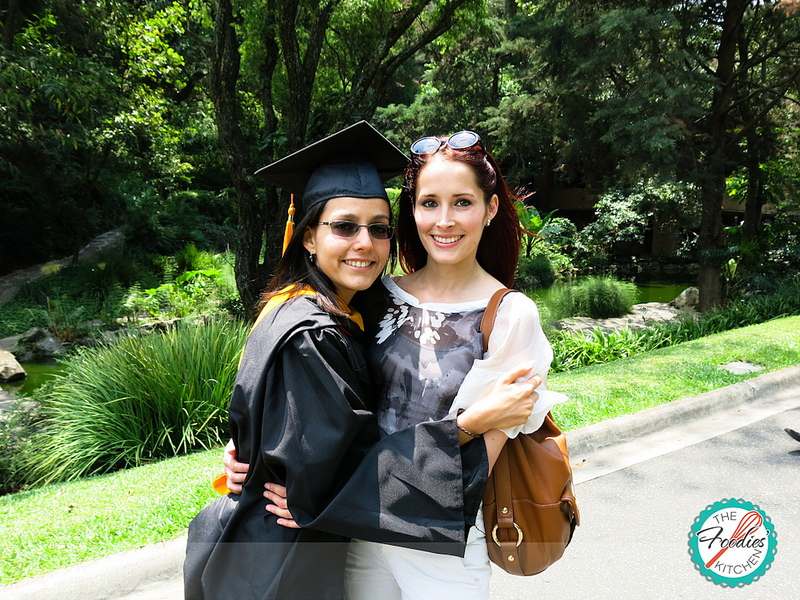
(38, 373)
(648, 291)
(655, 291)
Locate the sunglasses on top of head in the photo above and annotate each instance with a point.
(348, 229)
(463, 140)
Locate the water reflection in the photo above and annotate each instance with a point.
(38, 373)
(648, 291)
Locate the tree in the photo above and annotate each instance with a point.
(669, 89)
(311, 66)
(93, 114)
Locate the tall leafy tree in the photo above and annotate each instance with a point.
(92, 97)
(282, 71)
(671, 89)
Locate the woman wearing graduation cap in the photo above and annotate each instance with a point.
(301, 414)
(459, 239)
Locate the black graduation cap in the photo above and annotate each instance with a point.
(352, 163)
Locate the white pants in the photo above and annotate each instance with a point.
(393, 573)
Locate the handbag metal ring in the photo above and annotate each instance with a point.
(519, 534)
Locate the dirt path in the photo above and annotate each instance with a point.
(10, 284)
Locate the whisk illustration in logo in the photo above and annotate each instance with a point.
(732, 543)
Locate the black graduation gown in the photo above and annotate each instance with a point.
(300, 415)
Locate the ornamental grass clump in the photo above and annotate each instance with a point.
(138, 400)
(594, 297)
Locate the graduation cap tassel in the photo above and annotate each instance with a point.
(287, 234)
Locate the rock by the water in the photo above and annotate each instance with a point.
(688, 298)
(10, 369)
(33, 335)
(642, 316)
(50, 347)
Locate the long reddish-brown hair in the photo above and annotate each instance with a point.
(498, 250)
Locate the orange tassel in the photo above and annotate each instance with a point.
(287, 234)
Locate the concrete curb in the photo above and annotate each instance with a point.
(106, 578)
(126, 573)
(628, 427)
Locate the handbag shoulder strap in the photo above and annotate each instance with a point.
(490, 314)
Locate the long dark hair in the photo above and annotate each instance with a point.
(498, 250)
(296, 268)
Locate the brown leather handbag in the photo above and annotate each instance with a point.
(529, 506)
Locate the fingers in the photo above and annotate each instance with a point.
(236, 471)
(283, 513)
(235, 478)
(273, 493)
(233, 487)
(276, 494)
(514, 374)
(233, 466)
(521, 392)
(276, 488)
(284, 516)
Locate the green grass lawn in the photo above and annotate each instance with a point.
(64, 524)
(604, 391)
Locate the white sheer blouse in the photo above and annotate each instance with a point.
(517, 338)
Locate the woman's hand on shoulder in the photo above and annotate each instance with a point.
(509, 404)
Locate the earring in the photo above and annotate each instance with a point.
(311, 254)
(488, 222)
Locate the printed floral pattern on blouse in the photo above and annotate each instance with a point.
(422, 357)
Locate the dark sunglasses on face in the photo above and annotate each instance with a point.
(348, 229)
(463, 140)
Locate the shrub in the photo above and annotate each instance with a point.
(18, 316)
(573, 349)
(119, 285)
(595, 297)
(141, 399)
(165, 226)
(192, 292)
(17, 424)
(535, 272)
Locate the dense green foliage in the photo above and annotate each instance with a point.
(140, 399)
(99, 117)
(138, 114)
(535, 272)
(123, 288)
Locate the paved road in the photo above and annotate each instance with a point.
(633, 539)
